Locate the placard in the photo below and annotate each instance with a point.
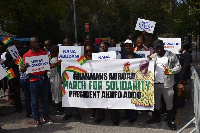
(145, 25)
(117, 50)
(172, 44)
(104, 55)
(69, 53)
(143, 54)
(3, 72)
(13, 51)
(37, 63)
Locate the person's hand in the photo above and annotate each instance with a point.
(148, 56)
(59, 62)
(26, 65)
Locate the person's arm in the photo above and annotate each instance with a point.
(177, 66)
(186, 66)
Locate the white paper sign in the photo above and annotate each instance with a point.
(69, 53)
(117, 45)
(143, 54)
(146, 25)
(117, 50)
(13, 51)
(3, 72)
(37, 63)
(172, 44)
(104, 55)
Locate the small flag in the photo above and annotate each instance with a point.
(6, 40)
(167, 71)
(82, 60)
(19, 61)
(11, 74)
(49, 56)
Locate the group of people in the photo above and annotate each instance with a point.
(47, 84)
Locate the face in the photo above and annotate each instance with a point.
(34, 42)
(67, 42)
(131, 37)
(112, 43)
(144, 67)
(129, 48)
(88, 40)
(47, 45)
(88, 52)
(103, 48)
(139, 42)
(158, 48)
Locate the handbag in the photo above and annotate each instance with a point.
(184, 90)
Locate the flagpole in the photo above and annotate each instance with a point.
(75, 21)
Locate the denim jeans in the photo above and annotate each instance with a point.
(39, 88)
(25, 84)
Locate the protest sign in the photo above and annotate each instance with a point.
(113, 84)
(172, 44)
(37, 63)
(69, 53)
(3, 72)
(143, 54)
(104, 55)
(13, 51)
(145, 25)
(118, 45)
(117, 50)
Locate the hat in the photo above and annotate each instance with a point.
(158, 42)
(127, 41)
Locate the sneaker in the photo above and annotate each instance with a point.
(48, 120)
(172, 125)
(67, 117)
(153, 120)
(37, 122)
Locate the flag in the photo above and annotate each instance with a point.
(82, 60)
(49, 56)
(63, 91)
(75, 69)
(11, 74)
(65, 76)
(167, 71)
(6, 40)
(19, 61)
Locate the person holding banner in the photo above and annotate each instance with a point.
(14, 83)
(39, 83)
(166, 65)
(115, 117)
(130, 114)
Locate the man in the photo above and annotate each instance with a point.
(67, 42)
(47, 46)
(39, 83)
(166, 65)
(113, 42)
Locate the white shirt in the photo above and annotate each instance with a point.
(159, 70)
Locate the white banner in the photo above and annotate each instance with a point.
(104, 55)
(3, 72)
(172, 44)
(113, 84)
(146, 25)
(13, 51)
(117, 50)
(69, 53)
(37, 63)
(143, 54)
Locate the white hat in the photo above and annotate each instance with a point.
(127, 41)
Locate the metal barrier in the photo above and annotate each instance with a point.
(196, 99)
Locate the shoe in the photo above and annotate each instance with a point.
(153, 120)
(115, 123)
(98, 120)
(48, 119)
(59, 113)
(67, 117)
(78, 117)
(150, 114)
(92, 115)
(37, 122)
(172, 125)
